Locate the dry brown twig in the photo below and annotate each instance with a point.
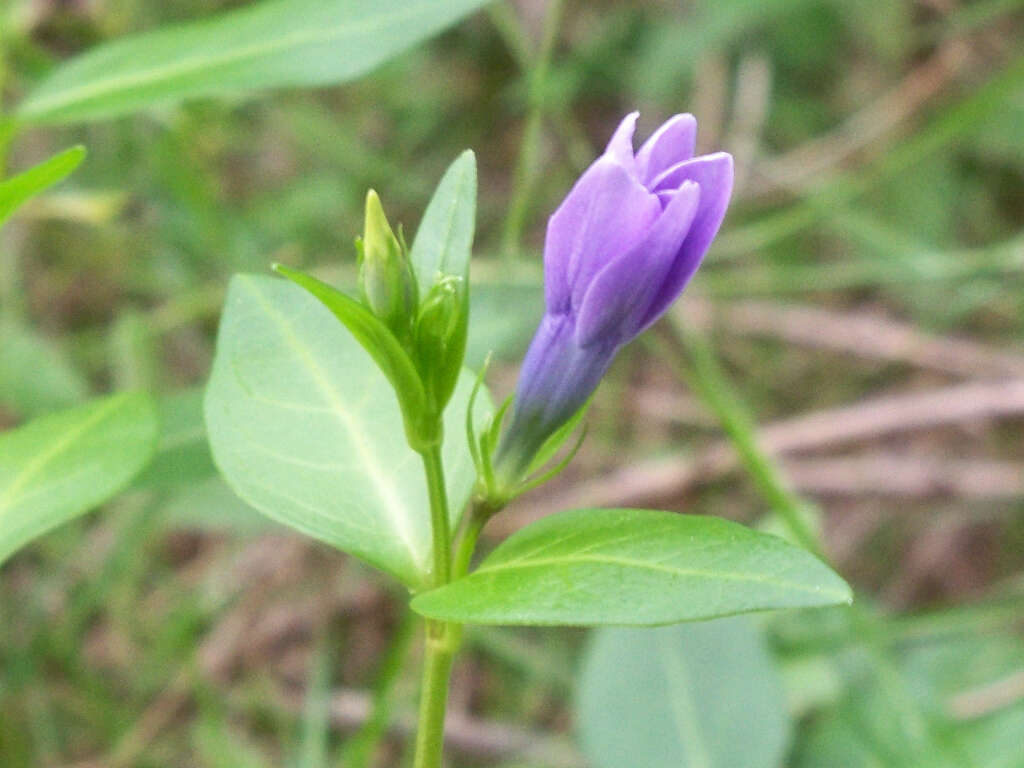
(663, 478)
(989, 698)
(867, 335)
(805, 165)
(248, 581)
(889, 474)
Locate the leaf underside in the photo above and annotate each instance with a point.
(698, 695)
(307, 430)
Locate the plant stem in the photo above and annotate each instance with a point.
(439, 652)
(478, 517)
(441, 639)
(438, 515)
(717, 392)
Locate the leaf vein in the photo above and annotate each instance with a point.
(646, 565)
(392, 505)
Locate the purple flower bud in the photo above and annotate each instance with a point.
(619, 250)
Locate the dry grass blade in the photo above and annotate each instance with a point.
(803, 167)
(888, 474)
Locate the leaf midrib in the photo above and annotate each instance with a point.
(645, 565)
(391, 503)
(9, 496)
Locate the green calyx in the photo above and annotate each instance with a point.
(440, 337)
(495, 487)
(432, 327)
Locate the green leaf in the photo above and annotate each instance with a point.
(265, 45)
(182, 470)
(17, 189)
(945, 706)
(381, 344)
(62, 465)
(702, 695)
(182, 455)
(444, 240)
(633, 567)
(440, 261)
(210, 506)
(35, 377)
(306, 429)
(955, 681)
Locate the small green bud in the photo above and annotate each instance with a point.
(440, 337)
(385, 274)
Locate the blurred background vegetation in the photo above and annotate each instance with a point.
(863, 306)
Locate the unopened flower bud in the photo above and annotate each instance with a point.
(441, 337)
(385, 275)
(619, 249)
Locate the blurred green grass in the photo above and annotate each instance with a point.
(164, 629)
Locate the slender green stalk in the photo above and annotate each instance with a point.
(439, 653)
(9, 264)
(507, 24)
(559, 117)
(467, 544)
(6, 124)
(529, 148)
(714, 387)
(441, 639)
(717, 392)
(315, 734)
(479, 513)
(438, 515)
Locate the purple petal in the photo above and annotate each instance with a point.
(604, 215)
(620, 146)
(617, 301)
(672, 143)
(665, 197)
(555, 380)
(714, 175)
